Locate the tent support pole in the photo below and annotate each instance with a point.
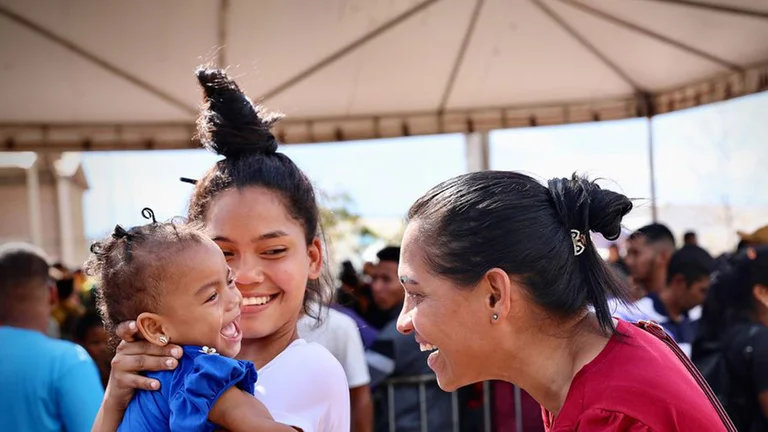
(478, 152)
(652, 170)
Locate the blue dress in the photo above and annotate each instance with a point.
(187, 393)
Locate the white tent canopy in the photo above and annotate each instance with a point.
(108, 74)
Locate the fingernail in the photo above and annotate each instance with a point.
(170, 363)
(132, 325)
(155, 385)
(176, 352)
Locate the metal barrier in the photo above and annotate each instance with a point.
(388, 391)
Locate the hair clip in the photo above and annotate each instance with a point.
(579, 242)
(149, 214)
(188, 180)
(120, 232)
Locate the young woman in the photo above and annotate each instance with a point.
(260, 209)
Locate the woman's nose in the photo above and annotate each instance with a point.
(404, 322)
(248, 272)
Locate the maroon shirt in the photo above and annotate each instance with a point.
(635, 384)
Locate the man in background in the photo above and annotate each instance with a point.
(757, 238)
(616, 261)
(648, 253)
(690, 239)
(395, 355)
(677, 306)
(91, 335)
(45, 384)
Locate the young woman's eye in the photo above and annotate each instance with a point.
(213, 297)
(276, 251)
(228, 254)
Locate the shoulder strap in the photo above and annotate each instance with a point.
(657, 331)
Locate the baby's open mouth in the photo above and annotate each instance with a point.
(232, 330)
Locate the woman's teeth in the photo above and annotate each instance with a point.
(427, 347)
(250, 301)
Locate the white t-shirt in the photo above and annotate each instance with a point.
(339, 334)
(305, 387)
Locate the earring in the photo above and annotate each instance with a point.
(163, 339)
(495, 317)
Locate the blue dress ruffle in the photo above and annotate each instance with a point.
(187, 393)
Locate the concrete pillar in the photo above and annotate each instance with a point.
(33, 204)
(478, 151)
(66, 234)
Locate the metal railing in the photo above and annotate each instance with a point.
(388, 390)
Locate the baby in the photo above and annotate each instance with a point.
(175, 283)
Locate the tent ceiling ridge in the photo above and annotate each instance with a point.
(605, 16)
(713, 7)
(94, 59)
(347, 49)
(589, 46)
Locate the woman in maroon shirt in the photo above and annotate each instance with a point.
(500, 277)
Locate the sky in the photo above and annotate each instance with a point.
(702, 156)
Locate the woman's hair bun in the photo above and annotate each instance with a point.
(583, 205)
(230, 124)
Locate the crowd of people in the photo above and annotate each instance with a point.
(177, 325)
(714, 307)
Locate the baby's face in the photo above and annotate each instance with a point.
(201, 305)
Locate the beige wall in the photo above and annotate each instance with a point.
(15, 221)
(80, 243)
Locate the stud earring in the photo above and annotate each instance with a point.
(163, 339)
(495, 317)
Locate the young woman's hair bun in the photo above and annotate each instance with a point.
(583, 205)
(230, 124)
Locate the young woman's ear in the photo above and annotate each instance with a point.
(315, 252)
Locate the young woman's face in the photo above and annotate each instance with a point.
(266, 249)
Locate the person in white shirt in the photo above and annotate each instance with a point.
(339, 334)
(261, 210)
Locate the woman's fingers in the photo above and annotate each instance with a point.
(133, 381)
(146, 348)
(127, 331)
(136, 355)
(133, 363)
